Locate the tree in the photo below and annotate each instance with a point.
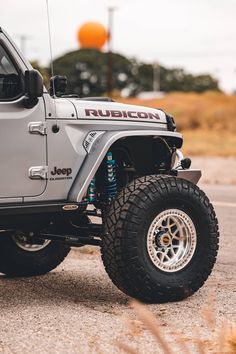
(86, 71)
(175, 79)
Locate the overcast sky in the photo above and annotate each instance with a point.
(198, 35)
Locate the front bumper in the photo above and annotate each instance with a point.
(191, 175)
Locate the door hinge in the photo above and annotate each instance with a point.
(38, 172)
(37, 128)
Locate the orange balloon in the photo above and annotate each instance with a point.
(92, 35)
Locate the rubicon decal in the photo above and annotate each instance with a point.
(100, 113)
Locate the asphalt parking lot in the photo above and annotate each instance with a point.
(76, 309)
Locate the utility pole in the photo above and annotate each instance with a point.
(156, 77)
(111, 10)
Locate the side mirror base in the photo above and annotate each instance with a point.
(30, 102)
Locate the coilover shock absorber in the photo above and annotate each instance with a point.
(92, 191)
(111, 179)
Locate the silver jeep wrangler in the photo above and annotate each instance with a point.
(65, 160)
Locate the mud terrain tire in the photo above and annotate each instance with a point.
(136, 231)
(17, 262)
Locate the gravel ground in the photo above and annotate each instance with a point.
(76, 308)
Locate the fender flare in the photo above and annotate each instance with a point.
(97, 151)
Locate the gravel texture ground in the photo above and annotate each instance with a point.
(76, 308)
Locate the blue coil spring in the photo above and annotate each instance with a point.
(111, 180)
(111, 188)
(92, 191)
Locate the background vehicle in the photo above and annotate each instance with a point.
(66, 159)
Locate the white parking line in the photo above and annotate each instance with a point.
(225, 204)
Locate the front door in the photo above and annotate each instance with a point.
(22, 153)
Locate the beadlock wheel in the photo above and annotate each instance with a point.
(171, 240)
(19, 257)
(160, 240)
(21, 241)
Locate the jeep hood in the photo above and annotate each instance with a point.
(102, 109)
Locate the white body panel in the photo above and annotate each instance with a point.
(20, 150)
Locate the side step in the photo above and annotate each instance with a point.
(42, 207)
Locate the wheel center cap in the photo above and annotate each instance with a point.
(163, 239)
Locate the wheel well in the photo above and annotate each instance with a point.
(146, 155)
(137, 156)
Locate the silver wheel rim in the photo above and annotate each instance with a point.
(171, 240)
(22, 242)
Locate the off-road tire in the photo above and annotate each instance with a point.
(16, 262)
(124, 244)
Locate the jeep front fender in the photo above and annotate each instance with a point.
(97, 147)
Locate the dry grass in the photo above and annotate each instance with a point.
(222, 341)
(208, 121)
(209, 143)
